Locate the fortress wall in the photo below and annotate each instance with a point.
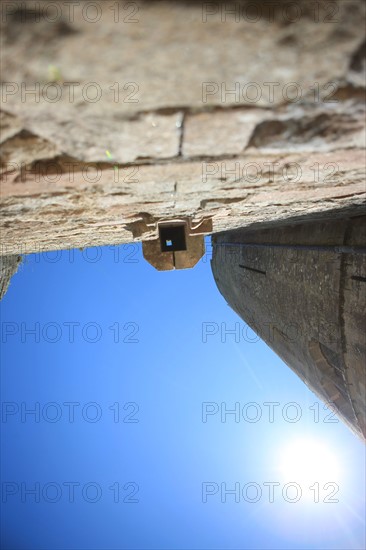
(308, 303)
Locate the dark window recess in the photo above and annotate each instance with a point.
(252, 269)
(172, 238)
(358, 278)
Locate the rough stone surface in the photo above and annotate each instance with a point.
(51, 213)
(185, 134)
(308, 304)
(8, 267)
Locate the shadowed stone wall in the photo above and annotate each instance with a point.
(302, 288)
(8, 267)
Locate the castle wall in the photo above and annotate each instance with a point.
(302, 288)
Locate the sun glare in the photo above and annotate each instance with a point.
(306, 461)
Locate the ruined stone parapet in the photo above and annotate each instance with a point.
(170, 110)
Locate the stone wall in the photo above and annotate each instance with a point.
(246, 118)
(8, 267)
(301, 287)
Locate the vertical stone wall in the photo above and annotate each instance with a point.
(302, 288)
(8, 267)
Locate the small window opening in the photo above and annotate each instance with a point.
(172, 238)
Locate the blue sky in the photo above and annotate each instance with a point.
(129, 446)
